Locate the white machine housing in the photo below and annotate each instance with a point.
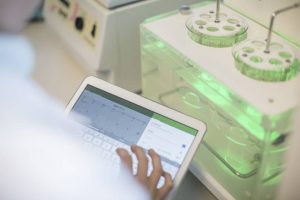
(219, 63)
(286, 24)
(106, 41)
(115, 3)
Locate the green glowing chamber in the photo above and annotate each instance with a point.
(243, 148)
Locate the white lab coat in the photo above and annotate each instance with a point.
(38, 158)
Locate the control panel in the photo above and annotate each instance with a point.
(77, 18)
(79, 27)
(103, 40)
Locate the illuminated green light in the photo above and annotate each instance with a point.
(229, 28)
(160, 45)
(234, 160)
(275, 61)
(256, 59)
(205, 31)
(274, 181)
(284, 54)
(217, 95)
(267, 75)
(216, 92)
(192, 100)
(248, 50)
(243, 165)
(222, 100)
(216, 41)
(200, 22)
(274, 136)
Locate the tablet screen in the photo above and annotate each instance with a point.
(111, 122)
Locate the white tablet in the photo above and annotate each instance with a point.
(118, 118)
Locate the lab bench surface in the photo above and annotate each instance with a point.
(55, 71)
(60, 76)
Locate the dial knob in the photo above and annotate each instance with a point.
(94, 29)
(79, 23)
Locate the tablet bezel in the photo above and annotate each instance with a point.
(155, 107)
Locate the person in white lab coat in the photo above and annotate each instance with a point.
(38, 158)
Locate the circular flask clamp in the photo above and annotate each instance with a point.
(191, 99)
(225, 32)
(279, 64)
(240, 149)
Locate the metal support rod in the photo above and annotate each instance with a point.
(274, 14)
(218, 12)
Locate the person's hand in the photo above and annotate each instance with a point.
(150, 182)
